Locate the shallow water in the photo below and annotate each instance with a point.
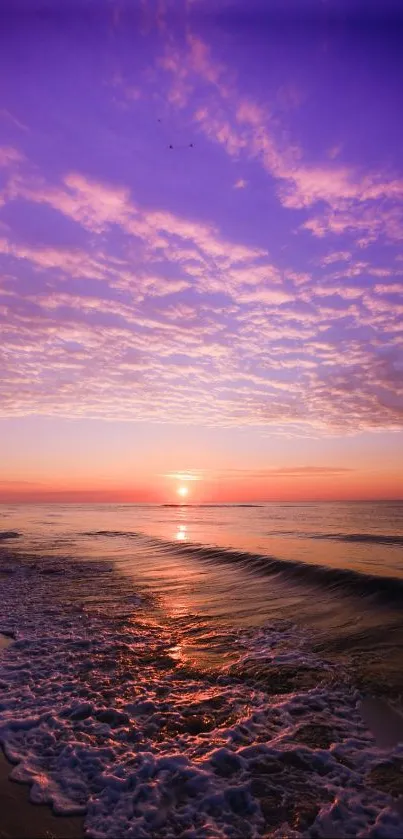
(335, 568)
(200, 671)
(366, 537)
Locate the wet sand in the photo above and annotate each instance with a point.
(385, 722)
(5, 641)
(19, 818)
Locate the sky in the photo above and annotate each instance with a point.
(201, 250)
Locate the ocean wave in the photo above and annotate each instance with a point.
(339, 579)
(364, 538)
(9, 534)
(126, 534)
(102, 716)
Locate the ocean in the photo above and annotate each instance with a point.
(206, 671)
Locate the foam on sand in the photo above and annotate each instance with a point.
(106, 713)
(20, 819)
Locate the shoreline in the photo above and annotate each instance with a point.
(22, 819)
(171, 730)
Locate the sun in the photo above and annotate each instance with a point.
(182, 491)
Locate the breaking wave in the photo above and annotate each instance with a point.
(9, 534)
(103, 715)
(343, 580)
(340, 579)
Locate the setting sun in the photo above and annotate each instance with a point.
(201, 356)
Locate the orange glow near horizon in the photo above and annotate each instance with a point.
(220, 484)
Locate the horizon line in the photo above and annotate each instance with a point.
(249, 503)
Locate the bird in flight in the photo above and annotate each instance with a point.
(171, 145)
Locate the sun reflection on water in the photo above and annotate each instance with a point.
(181, 533)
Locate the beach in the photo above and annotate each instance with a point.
(131, 714)
(201, 419)
(20, 819)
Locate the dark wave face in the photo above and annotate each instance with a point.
(8, 534)
(364, 538)
(340, 580)
(369, 538)
(344, 580)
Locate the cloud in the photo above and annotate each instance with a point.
(11, 118)
(367, 205)
(161, 316)
(284, 472)
(336, 256)
(195, 475)
(9, 156)
(265, 295)
(74, 262)
(366, 222)
(161, 235)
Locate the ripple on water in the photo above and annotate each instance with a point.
(107, 713)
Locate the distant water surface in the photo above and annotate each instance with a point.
(366, 537)
(244, 563)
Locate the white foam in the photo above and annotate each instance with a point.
(99, 717)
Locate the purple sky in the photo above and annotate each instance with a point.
(231, 303)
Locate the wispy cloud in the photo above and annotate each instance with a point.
(240, 184)
(10, 156)
(366, 205)
(283, 472)
(226, 288)
(195, 475)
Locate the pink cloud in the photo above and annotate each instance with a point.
(74, 262)
(366, 223)
(336, 256)
(9, 155)
(201, 62)
(352, 199)
(148, 346)
(271, 296)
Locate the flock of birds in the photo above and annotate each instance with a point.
(186, 146)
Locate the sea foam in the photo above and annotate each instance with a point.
(105, 711)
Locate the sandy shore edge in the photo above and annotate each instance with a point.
(19, 818)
